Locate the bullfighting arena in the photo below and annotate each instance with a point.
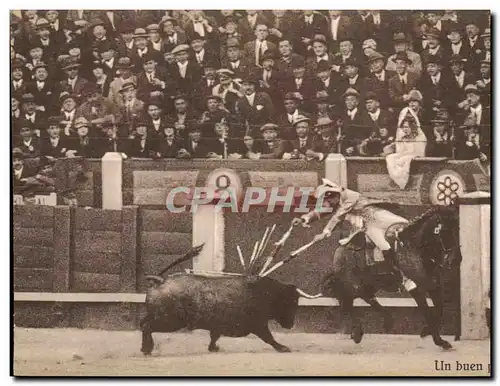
(78, 352)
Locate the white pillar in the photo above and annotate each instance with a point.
(475, 212)
(112, 196)
(336, 169)
(208, 228)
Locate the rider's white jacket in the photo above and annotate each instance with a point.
(351, 202)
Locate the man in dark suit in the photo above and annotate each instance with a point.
(302, 83)
(271, 147)
(351, 77)
(73, 83)
(456, 45)
(376, 118)
(28, 142)
(30, 113)
(340, 28)
(255, 108)
(328, 81)
(255, 49)
(43, 89)
(434, 47)
(287, 59)
(435, 85)
(378, 81)
(483, 82)
(235, 60)
(460, 80)
(472, 142)
(202, 26)
(401, 83)
(270, 80)
(54, 145)
(83, 144)
(153, 78)
(173, 35)
(353, 131)
(143, 49)
(326, 141)
(186, 74)
(303, 146)
(201, 55)
(306, 27)
(169, 145)
(195, 145)
(111, 142)
(247, 24)
(140, 144)
(285, 121)
(18, 82)
(474, 106)
(319, 54)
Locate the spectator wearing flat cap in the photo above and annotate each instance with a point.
(168, 145)
(225, 144)
(353, 130)
(186, 73)
(124, 67)
(85, 143)
(207, 83)
(55, 144)
(473, 106)
(125, 44)
(307, 25)
(235, 60)
(326, 140)
(434, 47)
(271, 146)
(131, 107)
(15, 111)
(227, 89)
(155, 38)
(73, 82)
(95, 106)
(319, 54)
(435, 84)
(254, 50)
(292, 102)
(36, 56)
(254, 107)
(302, 82)
(401, 44)
(403, 82)
(153, 80)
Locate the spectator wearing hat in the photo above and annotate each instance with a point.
(435, 84)
(182, 117)
(37, 56)
(303, 145)
(400, 41)
(485, 54)
(68, 103)
(227, 89)
(374, 117)
(43, 38)
(247, 24)
(484, 82)
(378, 80)
(30, 112)
(168, 145)
(353, 131)
(214, 113)
(280, 24)
(28, 142)
(186, 73)
(173, 34)
(363, 26)
(124, 67)
(155, 37)
(225, 144)
(433, 48)
(435, 22)
(254, 107)
(441, 141)
(403, 82)
(473, 40)
(112, 20)
(228, 33)
(327, 81)
(20, 170)
(346, 53)
(142, 49)
(271, 146)
(153, 79)
(95, 106)
(326, 140)
(270, 79)
(108, 58)
(340, 28)
(472, 106)
(18, 82)
(195, 145)
(460, 79)
(73, 82)
(254, 50)
(201, 55)
(54, 144)
(83, 144)
(15, 111)
(472, 142)
(319, 54)
(307, 25)
(131, 107)
(292, 102)
(140, 144)
(455, 44)
(352, 78)
(101, 78)
(323, 107)
(125, 45)
(301, 82)
(235, 61)
(55, 21)
(112, 141)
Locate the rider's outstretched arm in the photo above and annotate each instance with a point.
(347, 204)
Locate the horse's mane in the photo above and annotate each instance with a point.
(413, 227)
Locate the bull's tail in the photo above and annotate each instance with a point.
(158, 279)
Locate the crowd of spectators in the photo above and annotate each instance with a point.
(249, 84)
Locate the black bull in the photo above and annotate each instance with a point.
(224, 305)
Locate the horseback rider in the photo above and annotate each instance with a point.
(363, 214)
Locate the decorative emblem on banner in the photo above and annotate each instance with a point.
(446, 187)
(222, 179)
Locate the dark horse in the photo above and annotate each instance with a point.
(424, 247)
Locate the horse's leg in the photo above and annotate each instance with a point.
(437, 298)
(421, 300)
(347, 305)
(373, 302)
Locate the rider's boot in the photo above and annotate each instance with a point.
(390, 259)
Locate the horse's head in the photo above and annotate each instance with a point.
(437, 231)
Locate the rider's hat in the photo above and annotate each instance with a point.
(327, 188)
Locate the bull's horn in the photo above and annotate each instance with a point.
(156, 279)
(306, 295)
